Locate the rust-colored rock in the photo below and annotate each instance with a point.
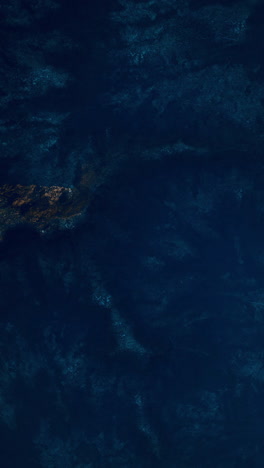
(45, 208)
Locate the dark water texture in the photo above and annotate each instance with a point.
(135, 340)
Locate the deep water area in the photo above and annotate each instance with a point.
(132, 331)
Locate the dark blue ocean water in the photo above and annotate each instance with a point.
(135, 339)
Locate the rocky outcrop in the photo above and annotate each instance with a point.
(41, 207)
(46, 208)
